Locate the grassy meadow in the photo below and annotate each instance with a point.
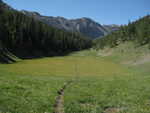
(102, 84)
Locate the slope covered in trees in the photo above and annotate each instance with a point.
(138, 32)
(26, 37)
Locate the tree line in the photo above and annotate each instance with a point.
(138, 32)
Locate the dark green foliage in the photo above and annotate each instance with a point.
(138, 31)
(26, 37)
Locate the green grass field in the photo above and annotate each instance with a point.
(101, 85)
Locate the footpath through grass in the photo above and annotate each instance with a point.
(100, 86)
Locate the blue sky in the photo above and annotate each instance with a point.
(102, 11)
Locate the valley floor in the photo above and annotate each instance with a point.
(99, 85)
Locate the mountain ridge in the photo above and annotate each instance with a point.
(86, 26)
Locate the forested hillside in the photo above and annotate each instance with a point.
(26, 37)
(138, 32)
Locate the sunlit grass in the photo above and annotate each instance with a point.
(30, 86)
(64, 66)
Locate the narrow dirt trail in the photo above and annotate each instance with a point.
(59, 103)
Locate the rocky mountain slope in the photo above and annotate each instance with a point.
(85, 26)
